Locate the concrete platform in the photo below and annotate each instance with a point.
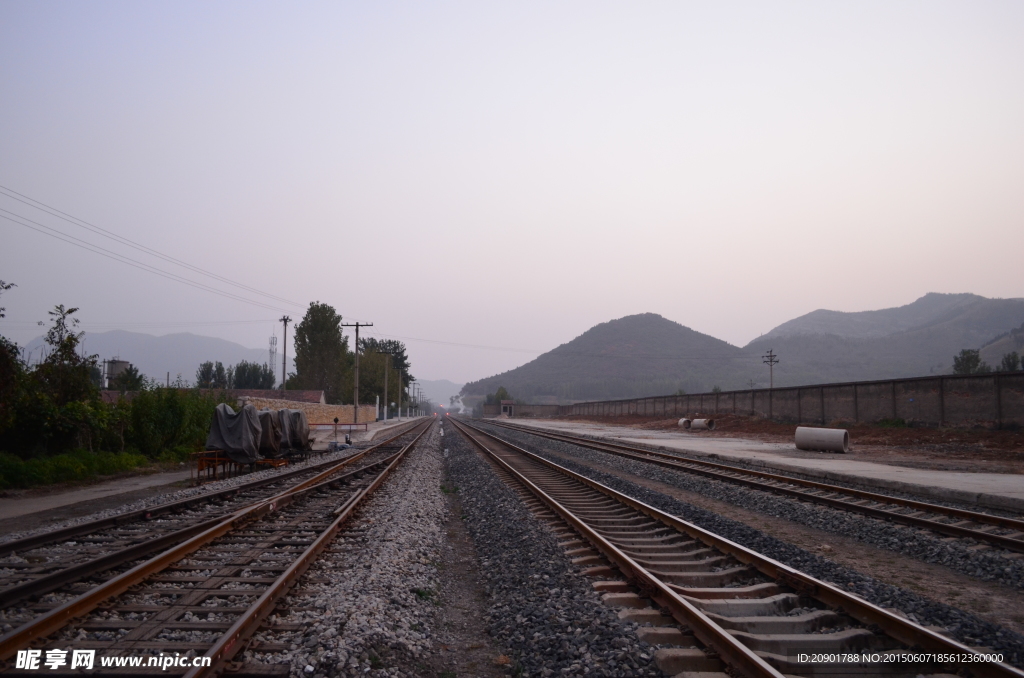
(26, 505)
(992, 490)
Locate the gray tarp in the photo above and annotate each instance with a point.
(294, 430)
(238, 434)
(270, 439)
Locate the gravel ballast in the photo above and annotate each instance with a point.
(542, 609)
(368, 605)
(961, 625)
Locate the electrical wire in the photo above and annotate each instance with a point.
(99, 230)
(77, 242)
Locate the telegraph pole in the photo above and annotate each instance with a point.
(284, 357)
(355, 390)
(771, 361)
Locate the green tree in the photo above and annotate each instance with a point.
(322, 358)
(253, 375)
(1011, 362)
(213, 375)
(969, 362)
(129, 380)
(4, 286)
(499, 395)
(376, 357)
(204, 375)
(65, 374)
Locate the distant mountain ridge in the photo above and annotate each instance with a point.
(646, 354)
(179, 353)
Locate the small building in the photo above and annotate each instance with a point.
(508, 408)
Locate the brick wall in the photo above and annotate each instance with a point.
(315, 412)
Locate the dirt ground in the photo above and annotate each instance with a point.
(465, 647)
(990, 601)
(943, 449)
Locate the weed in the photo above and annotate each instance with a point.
(892, 423)
(423, 594)
(449, 489)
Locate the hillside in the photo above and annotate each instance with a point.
(913, 340)
(646, 354)
(179, 353)
(632, 356)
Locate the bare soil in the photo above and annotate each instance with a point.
(943, 449)
(993, 602)
(464, 648)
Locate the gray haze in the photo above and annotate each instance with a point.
(471, 175)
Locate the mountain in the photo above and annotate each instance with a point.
(179, 353)
(873, 324)
(646, 354)
(918, 339)
(632, 356)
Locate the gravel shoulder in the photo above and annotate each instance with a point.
(966, 627)
(543, 612)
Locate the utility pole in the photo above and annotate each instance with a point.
(387, 368)
(355, 389)
(284, 357)
(401, 382)
(771, 361)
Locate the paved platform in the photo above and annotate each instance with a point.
(14, 507)
(992, 490)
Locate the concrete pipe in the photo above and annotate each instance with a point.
(684, 423)
(823, 439)
(702, 425)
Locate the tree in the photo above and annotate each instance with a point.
(213, 375)
(969, 362)
(253, 375)
(322, 358)
(4, 286)
(376, 357)
(498, 396)
(130, 380)
(65, 373)
(1011, 362)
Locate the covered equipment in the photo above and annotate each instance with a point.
(236, 433)
(294, 430)
(270, 438)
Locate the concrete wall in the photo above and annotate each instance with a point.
(317, 413)
(989, 400)
(524, 410)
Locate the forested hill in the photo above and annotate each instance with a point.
(632, 356)
(918, 339)
(646, 354)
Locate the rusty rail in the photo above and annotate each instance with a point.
(55, 619)
(903, 630)
(725, 473)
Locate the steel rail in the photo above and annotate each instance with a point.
(229, 644)
(711, 634)
(724, 473)
(55, 619)
(55, 580)
(903, 630)
(33, 541)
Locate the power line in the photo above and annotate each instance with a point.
(96, 249)
(99, 230)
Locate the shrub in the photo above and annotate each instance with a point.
(74, 466)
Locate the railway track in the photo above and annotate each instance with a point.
(726, 609)
(206, 595)
(41, 563)
(998, 531)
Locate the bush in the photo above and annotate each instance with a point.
(75, 466)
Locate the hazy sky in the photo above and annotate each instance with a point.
(509, 174)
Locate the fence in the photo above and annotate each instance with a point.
(994, 400)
